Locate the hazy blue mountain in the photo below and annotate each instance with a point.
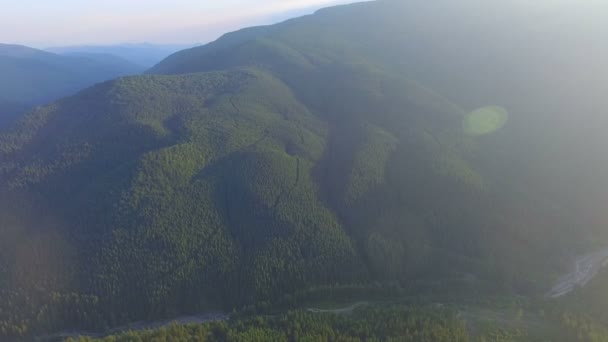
(32, 77)
(107, 59)
(146, 55)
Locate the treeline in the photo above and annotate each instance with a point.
(584, 312)
(364, 324)
(584, 328)
(23, 315)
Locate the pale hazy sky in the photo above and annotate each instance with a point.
(45, 23)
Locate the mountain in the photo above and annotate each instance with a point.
(383, 146)
(107, 59)
(146, 55)
(34, 77)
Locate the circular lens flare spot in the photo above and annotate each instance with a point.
(485, 120)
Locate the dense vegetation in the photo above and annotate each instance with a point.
(33, 77)
(382, 323)
(585, 311)
(478, 318)
(367, 324)
(307, 154)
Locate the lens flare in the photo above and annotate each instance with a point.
(485, 120)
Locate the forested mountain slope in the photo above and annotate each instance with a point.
(314, 153)
(32, 77)
(543, 62)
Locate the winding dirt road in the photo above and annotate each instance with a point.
(585, 268)
(345, 310)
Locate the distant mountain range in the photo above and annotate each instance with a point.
(32, 77)
(145, 55)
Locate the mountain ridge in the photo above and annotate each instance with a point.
(35, 77)
(144, 54)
